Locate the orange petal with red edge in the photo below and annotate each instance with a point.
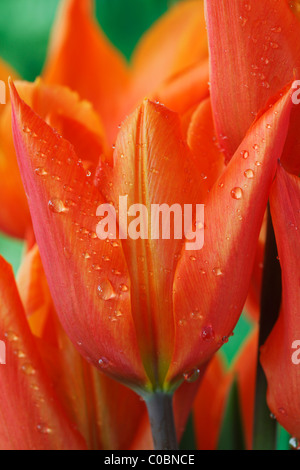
(245, 367)
(279, 356)
(207, 303)
(261, 52)
(6, 71)
(252, 305)
(88, 396)
(74, 119)
(14, 213)
(87, 276)
(202, 141)
(210, 403)
(34, 418)
(152, 165)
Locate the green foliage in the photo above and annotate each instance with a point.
(125, 21)
(11, 250)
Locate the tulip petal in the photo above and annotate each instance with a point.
(175, 42)
(252, 305)
(6, 71)
(210, 403)
(105, 412)
(81, 58)
(152, 165)
(202, 142)
(86, 275)
(74, 119)
(254, 49)
(282, 373)
(207, 302)
(185, 90)
(35, 296)
(245, 368)
(31, 415)
(14, 213)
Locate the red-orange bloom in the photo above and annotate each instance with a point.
(174, 307)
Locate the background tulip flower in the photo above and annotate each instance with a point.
(212, 397)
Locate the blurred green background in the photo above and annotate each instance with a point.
(24, 33)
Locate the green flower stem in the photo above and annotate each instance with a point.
(160, 411)
(265, 428)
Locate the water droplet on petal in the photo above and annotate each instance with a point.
(11, 336)
(237, 193)
(42, 428)
(249, 174)
(20, 354)
(124, 288)
(282, 411)
(192, 375)
(57, 206)
(41, 172)
(218, 272)
(208, 333)
(96, 267)
(196, 315)
(28, 369)
(294, 443)
(103, 363)
(245, 154)
(106, 290)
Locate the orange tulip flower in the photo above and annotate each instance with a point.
(173, 307)
(261, 55)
